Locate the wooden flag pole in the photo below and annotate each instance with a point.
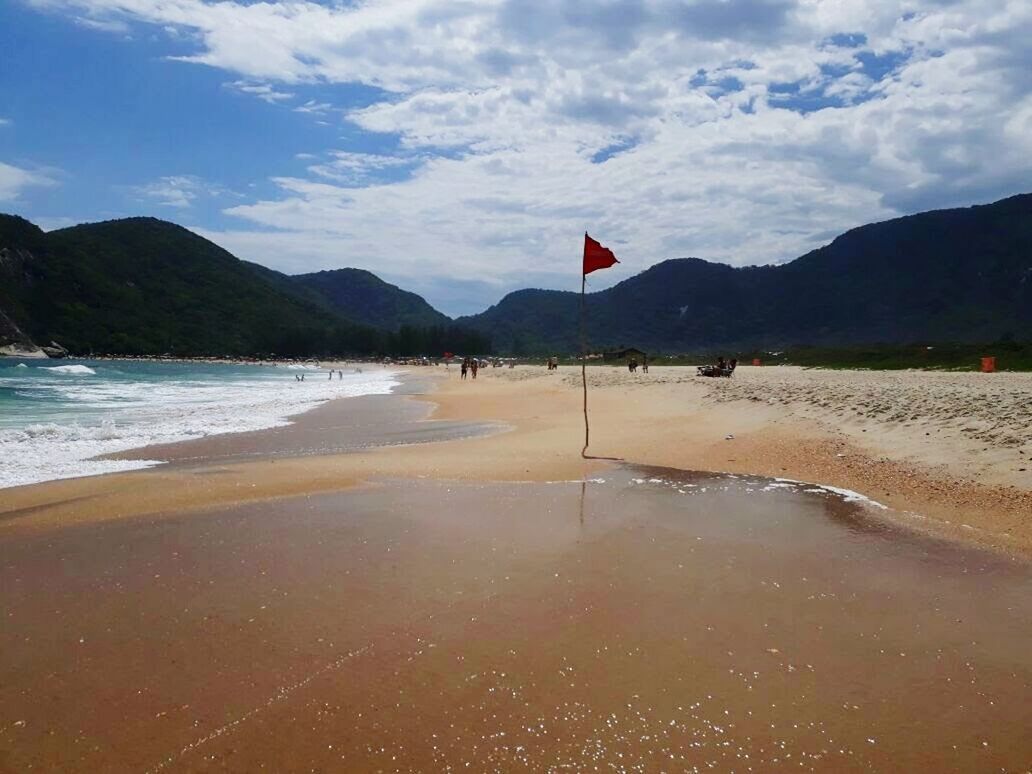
(583, 365)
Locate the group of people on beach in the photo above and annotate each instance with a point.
(340, 374)
(723, 367)
(632, 364)
(470, 364)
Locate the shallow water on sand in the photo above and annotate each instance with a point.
(645, 620)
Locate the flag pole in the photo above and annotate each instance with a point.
(596, 257)
(583, 361)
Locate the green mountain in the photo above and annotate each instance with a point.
(145, 286)
(363, 296)
(142, 285)
(961, 275)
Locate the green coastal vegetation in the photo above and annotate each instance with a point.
(959, 275)
(142, 286)
(1009, 356)
(935, 290)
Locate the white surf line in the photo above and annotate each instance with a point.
(770, 485)
(280, 695)
(848, 495)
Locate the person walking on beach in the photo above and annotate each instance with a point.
(465, 366)
(644, 364)
(475, 364)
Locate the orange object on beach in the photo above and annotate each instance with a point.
(756, 361)
(988, 365)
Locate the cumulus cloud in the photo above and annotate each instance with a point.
(738, 130)
(357, 168)
(15, 180)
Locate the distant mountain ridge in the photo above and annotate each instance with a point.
(363, 296)
(960, 275)
(146, 286)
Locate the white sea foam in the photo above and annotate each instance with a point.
(112, 415)
(21, 365)
(846, 494)
(69, 369)
(853, 497)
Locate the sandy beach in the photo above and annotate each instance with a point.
(437, 581)
(950, 452)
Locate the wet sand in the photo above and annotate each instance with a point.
(335, 427)
(392, 584)
(655, 620)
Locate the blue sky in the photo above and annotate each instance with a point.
(460, 150)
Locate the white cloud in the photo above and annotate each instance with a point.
(14, 181)
(110, 26)
(262, 91)
(5, 121)
(747, 130)
(315, 108)
(357, 168)
(179, 191)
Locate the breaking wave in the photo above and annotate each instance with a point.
(61, 424)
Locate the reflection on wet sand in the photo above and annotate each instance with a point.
(654, 620)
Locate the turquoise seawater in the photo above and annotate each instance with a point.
(56, 415)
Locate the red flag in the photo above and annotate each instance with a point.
(596, 256)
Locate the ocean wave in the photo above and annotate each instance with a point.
(119, 415)
(69, 369)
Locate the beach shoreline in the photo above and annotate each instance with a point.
(782, 422)
(71, 420)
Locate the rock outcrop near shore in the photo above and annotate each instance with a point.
(14, 342)
(17, 272)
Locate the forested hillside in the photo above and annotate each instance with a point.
(145, 286)
(961, 275)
